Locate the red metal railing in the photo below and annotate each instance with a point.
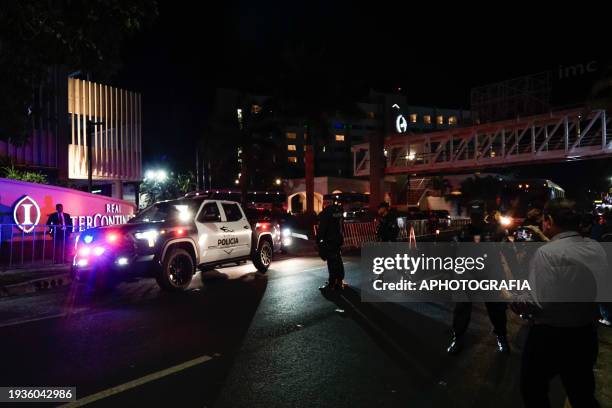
(358, 233)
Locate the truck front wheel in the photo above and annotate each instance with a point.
(177, 271)
(262, 258)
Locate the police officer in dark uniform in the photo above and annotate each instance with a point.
(329, 242)
(387, 229)
(479, 231)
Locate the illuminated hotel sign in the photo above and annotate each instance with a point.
(401, 124)
(86, 210)
(26, 214)
(112, 216)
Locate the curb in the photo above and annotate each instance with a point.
(36, 285)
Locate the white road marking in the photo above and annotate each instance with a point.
(33, 320)
(137, 382)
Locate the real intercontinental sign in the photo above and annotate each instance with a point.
(27, 205)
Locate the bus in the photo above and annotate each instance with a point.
(520, 195)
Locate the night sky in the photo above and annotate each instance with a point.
(179, 61)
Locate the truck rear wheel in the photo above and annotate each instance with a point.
(262, 258)
(177, 271)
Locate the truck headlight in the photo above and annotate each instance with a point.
(150, 236)
(286, 235)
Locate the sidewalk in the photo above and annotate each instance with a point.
(33, 279)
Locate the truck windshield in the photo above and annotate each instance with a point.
(176, 210)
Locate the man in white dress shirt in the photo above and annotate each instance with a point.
(566, 275)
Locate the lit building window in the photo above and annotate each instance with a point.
(324, 149)
(452, 120)
(440, 120)
(413, 118)
(305, 136)
(291, 148)
(305, 148)
(291, 135)
(427, 119)
(371, 115)
(339, 138)
(292, 159)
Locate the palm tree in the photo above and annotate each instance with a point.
(441, 184)
(476, 188)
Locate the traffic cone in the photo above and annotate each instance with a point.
(411, 238)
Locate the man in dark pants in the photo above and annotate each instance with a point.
(60, 227)
(563, 338)
(387, 229)
(329, 242)
(478, 231)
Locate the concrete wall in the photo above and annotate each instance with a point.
(39, 200)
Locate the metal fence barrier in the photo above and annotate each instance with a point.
(41, 245)
(358, 233)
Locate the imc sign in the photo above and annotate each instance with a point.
(29, 204)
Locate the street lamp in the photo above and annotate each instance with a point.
(161, 175)
(277, 182)
(156, 175)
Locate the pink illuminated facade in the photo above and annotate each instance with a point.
(27, 204)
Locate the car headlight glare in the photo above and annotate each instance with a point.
(150, 236)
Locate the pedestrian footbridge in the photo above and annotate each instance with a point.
(567, 135)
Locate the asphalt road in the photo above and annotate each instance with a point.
(238, 338)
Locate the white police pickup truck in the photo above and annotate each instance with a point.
(170, 240)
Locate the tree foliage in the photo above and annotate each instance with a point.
(484, 189)
(175, 186)
(78, 35)
(11, 172)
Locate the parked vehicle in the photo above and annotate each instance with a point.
(170, 240)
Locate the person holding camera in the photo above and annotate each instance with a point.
(562, 340)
